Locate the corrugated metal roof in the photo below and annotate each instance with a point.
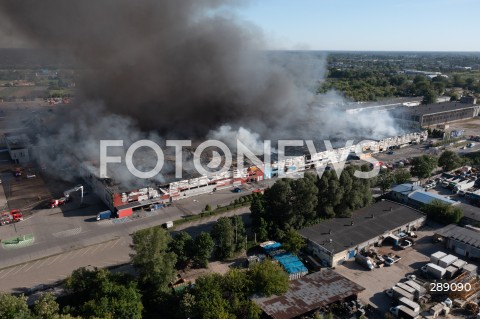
(461, 234)
(339, 234)
(406, 188)
(428, 198)
(309, 293)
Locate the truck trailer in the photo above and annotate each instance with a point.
(419, 290)
(434, 271)
(403, 312)
(415, 307)
(399, 293)
(104, 215)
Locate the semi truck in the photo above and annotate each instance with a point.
(403, 312)
(104, 215)
(12, 216)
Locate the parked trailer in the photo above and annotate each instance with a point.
(104, 215)
(420, 290)
(399, 293)
(403, 312)
(406, 288)
(415, 307)
(447, 261)
(434, 270)
(435, 257)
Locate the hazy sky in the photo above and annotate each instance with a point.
(385, 25)
(400, 25)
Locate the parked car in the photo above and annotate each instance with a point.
(388, 261)
(405, 244)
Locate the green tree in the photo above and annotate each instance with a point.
(449, 161)
(12, 307)
(443, 213)
(182, 245)
(101, 294)
(209, 300)
(385, 181)
(269, 278)
(401, 175)
(261, 230)
(208, 208)
(423, 166)
(339, 197)
(239, 231)
(293, 241)
(46, 307)
(429, 97)
(203, 248)
(223, 234)
(153, 260)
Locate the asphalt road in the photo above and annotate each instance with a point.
(110, 250)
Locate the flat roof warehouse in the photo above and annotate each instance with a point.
(339, 234)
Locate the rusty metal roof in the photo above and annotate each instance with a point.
(309, 293)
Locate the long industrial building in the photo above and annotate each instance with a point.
(434, 114)
(123, 201)
(339, 239)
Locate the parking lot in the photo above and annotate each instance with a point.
(380, 279)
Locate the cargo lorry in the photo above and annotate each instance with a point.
(104, 215)
(403, 312)
(434, 271)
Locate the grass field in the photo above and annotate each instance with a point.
(20, 92)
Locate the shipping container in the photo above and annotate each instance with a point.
(459, 264)
(399, 293)
(127, 212)
(434, 270)
(435, 257)
(415, 307)
(447, 261)
(420, 290)
(406, 288)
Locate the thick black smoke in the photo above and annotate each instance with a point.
(176, 69)
(174, 66)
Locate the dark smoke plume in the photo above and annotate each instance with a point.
(180, 69)
(174, 66)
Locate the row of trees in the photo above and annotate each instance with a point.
(291, 204)
(370, 84)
